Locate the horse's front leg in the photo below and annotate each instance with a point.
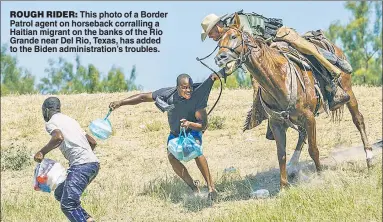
(310, 125)
(279, 132)
(292, 166)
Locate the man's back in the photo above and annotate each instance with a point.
(256, 24)
(75, 147)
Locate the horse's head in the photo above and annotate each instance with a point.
(233, 47)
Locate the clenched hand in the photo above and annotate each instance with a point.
(114, 105)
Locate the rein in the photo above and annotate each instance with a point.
(224, 76)
(242, 59)
(281, 115)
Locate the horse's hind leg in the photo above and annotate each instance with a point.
(292, 166)
(358, 120)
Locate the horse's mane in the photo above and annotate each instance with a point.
(272, 58)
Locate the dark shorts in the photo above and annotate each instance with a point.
(196, 134)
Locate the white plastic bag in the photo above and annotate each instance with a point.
(48, 175)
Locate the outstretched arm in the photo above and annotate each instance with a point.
(132, 100)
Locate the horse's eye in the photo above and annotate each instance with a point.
(233, 37)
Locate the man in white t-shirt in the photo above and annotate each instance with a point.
(77, 147)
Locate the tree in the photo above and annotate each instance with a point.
(239, 79)
(63, 78)
(131, 85)
(243, 78)
(60, 77)
(14, 79)
(115, 81)
(361, 41)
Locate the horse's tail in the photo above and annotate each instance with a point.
(337, 115)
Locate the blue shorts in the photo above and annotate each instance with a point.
(196, 134)
(70, 191)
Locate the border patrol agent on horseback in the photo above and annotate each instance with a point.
(272, 28)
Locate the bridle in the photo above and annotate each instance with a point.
(240, 60)
(245, 41)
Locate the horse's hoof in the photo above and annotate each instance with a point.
(292, 172)
(284, 186)
(369, 163)
(293, 175)
(212, 196)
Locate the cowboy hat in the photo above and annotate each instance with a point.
(208, 23)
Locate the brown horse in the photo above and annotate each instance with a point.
(288, 93)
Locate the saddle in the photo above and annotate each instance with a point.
(257, 114)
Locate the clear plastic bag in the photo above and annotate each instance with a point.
(184, 147)
(48, 175)
(175, 148)
(101, 128)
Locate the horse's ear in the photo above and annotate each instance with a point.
(237, 21)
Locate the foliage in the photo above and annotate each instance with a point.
(361, 40)
(239, 79)
(14, 79)
(63, 78)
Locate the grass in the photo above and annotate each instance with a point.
(153, 126)
(340, 195)
(216, 122)
(136, 181)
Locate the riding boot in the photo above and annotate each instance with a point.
(337, 96)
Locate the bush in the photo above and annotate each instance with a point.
(216, 122)
(15, 158)
(153, 126)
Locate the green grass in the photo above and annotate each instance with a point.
(216, 122)
(341, 195)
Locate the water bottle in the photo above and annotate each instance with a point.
(260, 194)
